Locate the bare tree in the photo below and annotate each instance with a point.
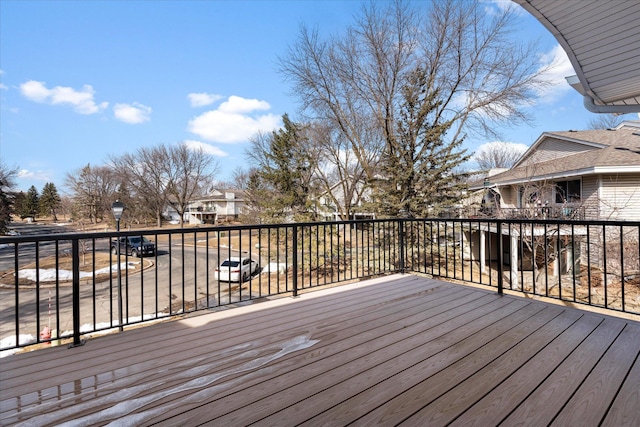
(240, 178)
(145, 177)
(155, 177)
(354, 81)
(92, 190)
(605, 121)
(498, 155)
(190, 173)
(338, 175)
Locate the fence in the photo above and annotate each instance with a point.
(69, 285)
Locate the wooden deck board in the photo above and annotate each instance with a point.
(546, 401)
(396, 379)
(438, 399)
(599, 389)
(163, 339)
(401, 349)
(375, 364)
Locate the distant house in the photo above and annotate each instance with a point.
(592, 174)
(222, 205)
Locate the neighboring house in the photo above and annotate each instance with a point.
(219, 206)
(592, 174)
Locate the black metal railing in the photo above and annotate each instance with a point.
(65, 286)
(560, 212)
(595, 263)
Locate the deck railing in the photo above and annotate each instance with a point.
(560, 212)
(67, 285)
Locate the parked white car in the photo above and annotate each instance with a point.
(236, 269)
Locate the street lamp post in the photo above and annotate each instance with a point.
(118, 208)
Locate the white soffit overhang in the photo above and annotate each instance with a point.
(602, 40)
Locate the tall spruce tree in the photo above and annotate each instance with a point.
(418, 162)
(32, 203)
(50, 200)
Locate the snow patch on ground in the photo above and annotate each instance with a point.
(49, 275)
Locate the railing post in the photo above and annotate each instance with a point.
(295, 260)
(401, 243)
(500, 256)
(75, 301)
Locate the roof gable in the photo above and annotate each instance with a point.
(596, 151)
(550, 146)
(564, 143)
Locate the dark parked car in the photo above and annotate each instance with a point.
(134, 246)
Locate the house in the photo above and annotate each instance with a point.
(222, 205)
(572, 175)
(592, 174)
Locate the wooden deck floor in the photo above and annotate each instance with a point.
(397, 350)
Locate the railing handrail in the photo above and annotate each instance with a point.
(215, 228)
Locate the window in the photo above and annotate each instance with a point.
(568, 191)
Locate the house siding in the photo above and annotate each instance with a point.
(509, 197)
(620, 196)
(553, 148)
(590, 197)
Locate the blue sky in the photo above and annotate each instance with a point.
(81, 81)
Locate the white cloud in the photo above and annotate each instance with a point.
(38, 175)
(234, 121)
(238, 105)
(503, 5)
(203, 99)
(206, 148)
(132, 113)
(82, 101)
(559, 67)
(3, 86)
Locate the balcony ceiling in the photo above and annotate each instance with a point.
(602, 40)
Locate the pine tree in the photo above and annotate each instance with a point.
(418, 162)
(282, 181)
(50, 200)
(19, 202)
(32, 203)
(7, 195)
(5, 209)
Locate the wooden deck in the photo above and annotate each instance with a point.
(396, 350)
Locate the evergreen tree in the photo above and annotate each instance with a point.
(6, 196)
(418, 163)
(32, 203)
(19, 203)
(5, 211)
(281, 183)
(50, 200)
